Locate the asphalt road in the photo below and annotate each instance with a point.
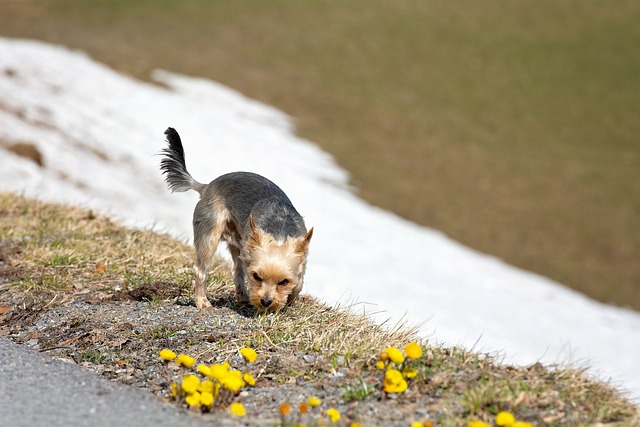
(36, 390)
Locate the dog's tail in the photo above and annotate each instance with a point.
(174, 167)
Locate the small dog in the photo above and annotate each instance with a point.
(265, 234)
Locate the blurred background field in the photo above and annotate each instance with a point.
(512, 126)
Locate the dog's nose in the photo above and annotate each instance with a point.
(266, 301)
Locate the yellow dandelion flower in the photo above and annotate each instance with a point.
(417, 424)
(218, 371)
(238, 409)
(333, 414)
(248, 378)
(522, 424)
(413, 350)
(193, 399)
(395, 388)
(206, 399)
(167, 355)
(204, 370)
(393, 376)
(380, 364)
(284, 409)
(232, 383)
(303, 408)
(235, 373)
(190, 384)
(409, 372)
(355, 425)
(395, 355)
(314, 401)
(394, 382)
(174, 389)
(249, 354)
(185, 360)
(505, 419)
(477, 423)
(206, 386)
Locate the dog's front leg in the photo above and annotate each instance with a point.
(239, 275)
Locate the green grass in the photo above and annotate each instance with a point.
(510, 125)
(359, 390)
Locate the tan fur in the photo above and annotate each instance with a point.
(273, 262)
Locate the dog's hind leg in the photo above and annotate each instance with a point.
(207, 231)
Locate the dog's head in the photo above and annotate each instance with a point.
(275, 268)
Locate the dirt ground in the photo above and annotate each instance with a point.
(119, 335)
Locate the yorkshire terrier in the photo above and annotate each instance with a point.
(265, 234)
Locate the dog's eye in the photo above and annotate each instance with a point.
(283, 282)
(257, 278)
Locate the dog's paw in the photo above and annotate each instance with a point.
(242, 297)
(202, 302)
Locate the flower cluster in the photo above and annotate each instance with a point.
(503, 419)
(305, 409)
(215, 383)
(398, 366)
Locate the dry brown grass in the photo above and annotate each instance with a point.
(52, 257)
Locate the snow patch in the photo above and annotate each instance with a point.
(99, 133)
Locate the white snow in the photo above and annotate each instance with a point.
(99, 133)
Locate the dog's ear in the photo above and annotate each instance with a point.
(254, 237)
(302, 245)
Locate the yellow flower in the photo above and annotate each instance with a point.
(505, 419)
(417, 424)
(334, 415)
(235, 373)
(174, 389)
(248, 378)
(232, 383)
(394, 382)
(206, 398)
(477, 423)
(395, 355)
(185, 360)
(249, 354)
(167, 355)
(395, 388)
(190, 384)
(218, 371)
(238, 409)
(206, 386)
(193, 399)
(413, 350)
(522, 424)
(355, 425)
(314, 401)
(393, 376)
(380, 364)
(409, 372)
(204, 370)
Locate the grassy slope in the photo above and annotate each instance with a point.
(53, 255)
(511, 126)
